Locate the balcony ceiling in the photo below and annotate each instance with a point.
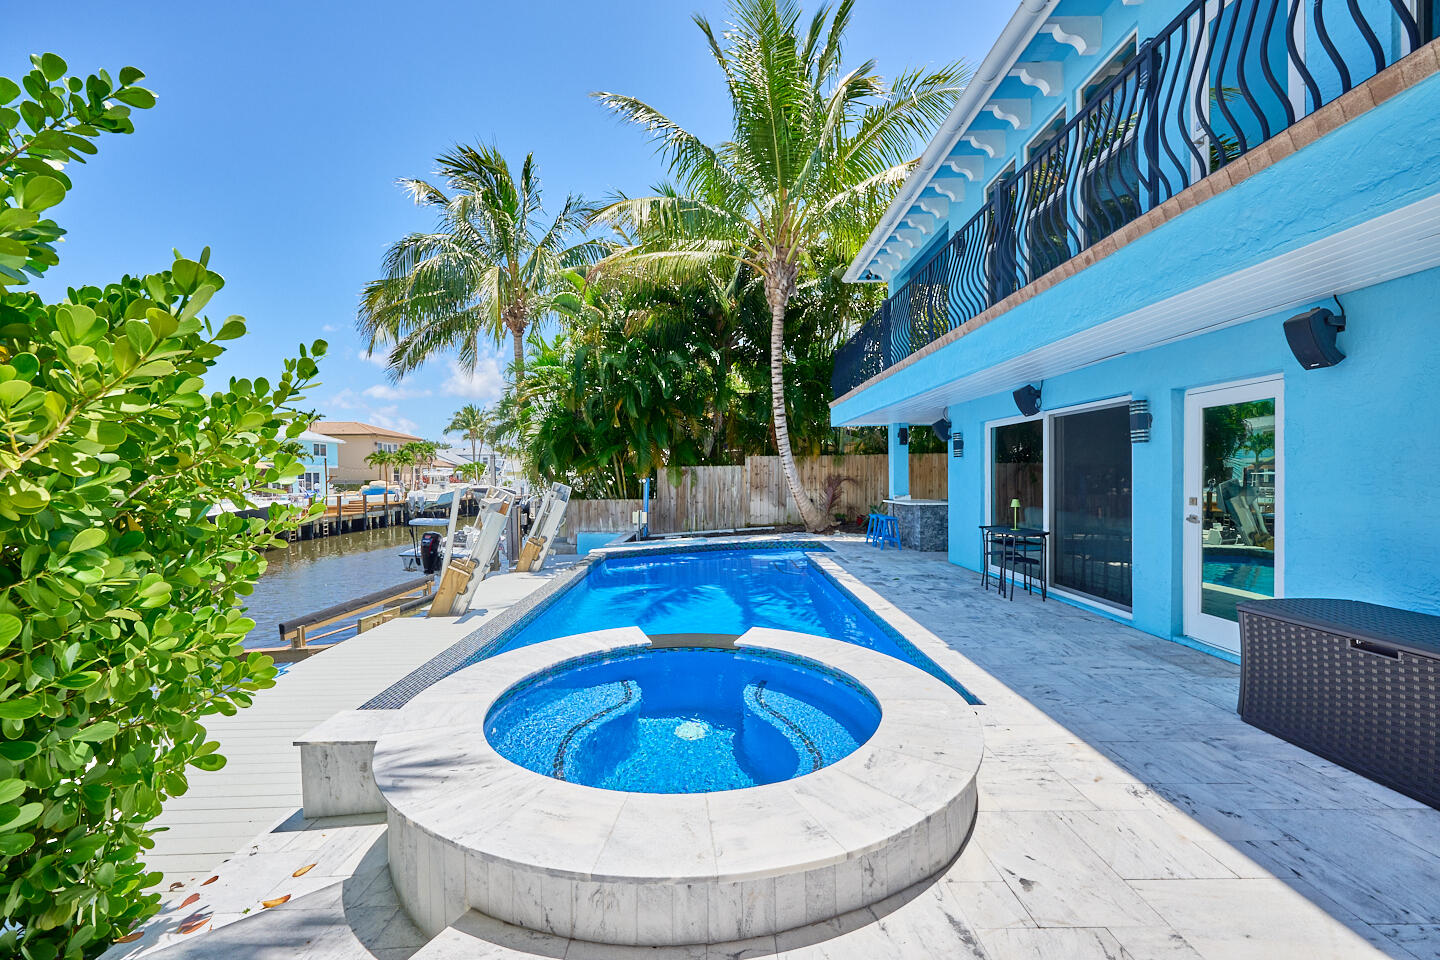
(1395, 244)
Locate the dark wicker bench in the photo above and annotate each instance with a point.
(1356, 683)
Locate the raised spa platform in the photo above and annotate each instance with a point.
(469, 829)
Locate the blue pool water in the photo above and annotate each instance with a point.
(682, 719)
(716, 591)
(1251, 571)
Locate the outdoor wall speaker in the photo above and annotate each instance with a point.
(941, 428)
(1027, 398)
(904, 436)
(1312, 338)
(1140, 421)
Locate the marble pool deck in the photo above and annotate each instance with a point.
(1125, 811)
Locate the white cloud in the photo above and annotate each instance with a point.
(346, 399)
(390, 418)
(381, 356)
(485, 382)
(330, 328)
(385, 391)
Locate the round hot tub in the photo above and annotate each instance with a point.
(606, 789)
(682, 719)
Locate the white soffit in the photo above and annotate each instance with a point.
(1392, 245)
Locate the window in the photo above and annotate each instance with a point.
(1000, 196)
(1109, 72)
(1109, 188)
(320, 449)
(1018, 452)
(1047, 229)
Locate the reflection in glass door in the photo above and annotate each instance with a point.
(1017, 489)
(1090, 471)
(1233, 511)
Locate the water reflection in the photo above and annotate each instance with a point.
(311, 574)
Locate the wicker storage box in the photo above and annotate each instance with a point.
(1356, 683)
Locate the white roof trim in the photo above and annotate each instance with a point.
(1023, 26)
(312, 437)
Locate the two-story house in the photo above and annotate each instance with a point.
(1167, 278)
(320, 458)
(361, 440)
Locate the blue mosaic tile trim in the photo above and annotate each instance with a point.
(476, 646)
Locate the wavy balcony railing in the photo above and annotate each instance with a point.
(1218, 81)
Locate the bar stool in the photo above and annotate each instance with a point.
(887, 530)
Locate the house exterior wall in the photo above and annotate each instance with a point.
(353, 468)
(1361, 453)
(320, 462)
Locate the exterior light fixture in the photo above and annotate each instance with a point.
(904, 436)
(1140, 420)
(957, 445)
(1027, 399)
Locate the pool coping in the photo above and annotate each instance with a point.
(574, 860)
(520, 614)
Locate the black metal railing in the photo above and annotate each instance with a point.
(1220, 79)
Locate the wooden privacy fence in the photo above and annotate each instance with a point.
(755, 494)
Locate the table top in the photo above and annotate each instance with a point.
(1001, 529)
(917, 503)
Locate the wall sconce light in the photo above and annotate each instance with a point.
(957, 445)
(1140, 420)
(1027, 399)
(904, 436)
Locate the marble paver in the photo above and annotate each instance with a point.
(1126, 812)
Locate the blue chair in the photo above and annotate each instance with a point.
(887, 530)
(871, 523)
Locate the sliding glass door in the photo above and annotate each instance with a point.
(1091, 529)
(1017, 487)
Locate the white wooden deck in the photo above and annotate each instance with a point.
(259, 786)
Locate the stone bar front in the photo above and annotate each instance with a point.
(924, 524)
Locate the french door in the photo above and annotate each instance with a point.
(1233, 505)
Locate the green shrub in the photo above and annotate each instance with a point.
(119, 587)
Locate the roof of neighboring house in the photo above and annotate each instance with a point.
(351, 428)
(310, 436)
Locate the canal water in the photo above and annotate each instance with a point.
(309, 575)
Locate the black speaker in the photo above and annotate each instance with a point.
(941, 428)
(1312, 338)
(1027, 398)
(904, 436)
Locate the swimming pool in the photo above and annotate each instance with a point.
(682, 719)
(676, 594)
(714, 592)
(1252, 571)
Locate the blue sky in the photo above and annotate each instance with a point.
(281, 128)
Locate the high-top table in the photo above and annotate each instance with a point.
(924, 524)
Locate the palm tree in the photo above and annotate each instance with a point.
(382, 460)
(813, 155)
(488, 268)
(474, 424)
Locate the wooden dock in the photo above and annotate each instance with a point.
(259, 786)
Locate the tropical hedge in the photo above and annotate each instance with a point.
(120, 586)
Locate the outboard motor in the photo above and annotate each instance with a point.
(430, 552)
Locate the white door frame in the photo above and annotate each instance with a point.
(1212, 630)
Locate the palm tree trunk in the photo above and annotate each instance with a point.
(519, 338)
(809, 513)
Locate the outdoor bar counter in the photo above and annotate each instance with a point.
(924, 524)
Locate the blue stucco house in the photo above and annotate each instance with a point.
(1169, 278)
(320, 458)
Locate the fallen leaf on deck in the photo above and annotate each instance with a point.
(130, 937)
(189, 900)
(210, 881)
(303, 870)
(267, 904)
(176, 885)
(190, 926)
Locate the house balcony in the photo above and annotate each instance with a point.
(1222, 92)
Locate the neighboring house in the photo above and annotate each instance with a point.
(320, 456)
(1090, 273)
(361, 440)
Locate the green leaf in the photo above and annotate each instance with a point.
(52, 66)
(10, 789)
(129, 75)
(9, 90)
(88, 539)
(101, 730)
(26, 814)
(20, 708)
(234, 327)
(14, 844)
(9, 628)
(137, 97)
(42, 193)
